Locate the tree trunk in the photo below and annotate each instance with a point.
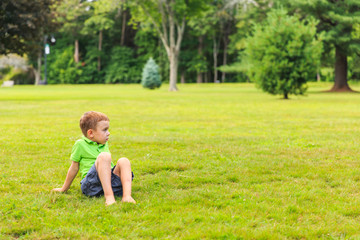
(286, 96)
(183, 77)
(199, 78)
(173, 70)
(76, 52)
(215, 54)
(100, 47)
(123, 28)
(37, 72)
(223, 75)
(341, 67)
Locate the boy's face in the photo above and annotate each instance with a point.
(101, 133)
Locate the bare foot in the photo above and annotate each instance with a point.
(109, 200)
(108, 203)
(128, 199)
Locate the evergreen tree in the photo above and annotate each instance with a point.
(338, 20)
(283, 53)
(150, 75)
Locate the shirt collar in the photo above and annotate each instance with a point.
(92, 142)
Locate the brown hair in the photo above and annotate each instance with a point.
(90, 119)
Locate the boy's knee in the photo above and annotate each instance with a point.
(104, 157)
(123, 162)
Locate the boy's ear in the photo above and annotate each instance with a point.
(89, 133)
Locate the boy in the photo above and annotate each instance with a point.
(92, 157)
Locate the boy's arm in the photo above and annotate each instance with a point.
(73, 170)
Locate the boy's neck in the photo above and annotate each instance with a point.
(92, 140)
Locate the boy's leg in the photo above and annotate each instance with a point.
(103, 168)
(123, 170)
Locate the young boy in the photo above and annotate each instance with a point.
(92, 156)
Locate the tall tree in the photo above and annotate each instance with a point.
(23, 24)
(72, 14)
(228, 20)
(337, 20)
(225, 19)
(169, 18)
(99, 22)
(201, 25)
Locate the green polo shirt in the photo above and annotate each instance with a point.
(85, 153)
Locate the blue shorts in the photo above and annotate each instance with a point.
(91, 185)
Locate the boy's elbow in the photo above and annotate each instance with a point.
(75, 166)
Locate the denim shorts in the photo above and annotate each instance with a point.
(91, 185)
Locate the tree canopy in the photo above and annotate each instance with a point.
(23, 24)
(338, 21)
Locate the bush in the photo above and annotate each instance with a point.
(63, 69)
(123, 68)
(89, 65)
(150, 75)
(283, 53)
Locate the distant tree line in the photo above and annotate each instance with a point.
(109, 41)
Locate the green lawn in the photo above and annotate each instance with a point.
(223, 161)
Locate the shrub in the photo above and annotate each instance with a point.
(150, 75)
(63, 69)
(123, 67)
(283, 53)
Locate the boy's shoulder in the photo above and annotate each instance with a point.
(81, 142)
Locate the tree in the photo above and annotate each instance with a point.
(169, 18)
(72, 14)
(283, 53)
(23, 24)
(228, 18)
(150, 75)
(201, 25)
(337, 19)
(98, 22)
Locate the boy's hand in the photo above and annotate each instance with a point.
(58, 190)
(128, 199)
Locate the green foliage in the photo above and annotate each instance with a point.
(19, 76)
(72, 14)
(122, 67)
(149, 45)
(23, 24)
(100, 18)
(327, 74)
(354, 67)
(337, 19)
(63, 70)
(150, 76)
(197, 64)
(23, 77)
(97, 23)
(90, 73)
(339, 22)
(283, 53)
